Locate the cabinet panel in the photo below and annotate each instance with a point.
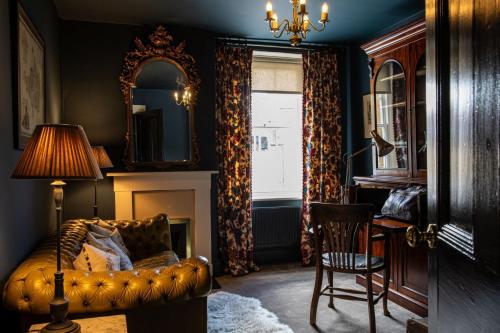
(390, 89)
(414, 271)
(418, 108)
(391, 114)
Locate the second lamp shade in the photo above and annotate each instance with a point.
(102, 157)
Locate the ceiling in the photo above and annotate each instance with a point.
(351, 20)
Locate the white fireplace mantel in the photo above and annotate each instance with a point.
(127, 184)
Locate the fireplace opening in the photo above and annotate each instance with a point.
(180, 233)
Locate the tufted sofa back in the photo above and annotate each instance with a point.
(144, 238)
(73, 235)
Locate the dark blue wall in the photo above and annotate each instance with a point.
(26, 214)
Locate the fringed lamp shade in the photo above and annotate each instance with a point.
(57, 151)
(102, 157)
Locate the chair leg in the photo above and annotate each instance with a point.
(387, 274)
(371, 308)
(386, 290)
(315, 298)
(330, 284)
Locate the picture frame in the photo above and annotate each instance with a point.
(368, 115)
(29, 78)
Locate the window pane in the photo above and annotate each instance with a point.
(276, 145)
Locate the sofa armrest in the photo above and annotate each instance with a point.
(107, 291)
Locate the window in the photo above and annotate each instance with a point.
(276, 126)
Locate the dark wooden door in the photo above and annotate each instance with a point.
(463, 124)
(148, 138)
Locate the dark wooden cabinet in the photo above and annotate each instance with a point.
(397, 70)
(397, 65)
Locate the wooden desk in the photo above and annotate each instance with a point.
(408, 281)
(388, 182)
(389, 225)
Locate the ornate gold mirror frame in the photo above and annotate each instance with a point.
(159, 46)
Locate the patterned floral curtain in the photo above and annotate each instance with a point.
(233, 139)
(322, 135)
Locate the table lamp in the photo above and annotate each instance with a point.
(58, 152)
(103, 162)
(383, 149)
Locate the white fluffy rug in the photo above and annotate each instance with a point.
(229, 313)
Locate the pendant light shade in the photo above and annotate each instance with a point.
(57, 151)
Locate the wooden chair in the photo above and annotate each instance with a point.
(336, 230)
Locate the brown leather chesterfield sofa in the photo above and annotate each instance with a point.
(154, 296)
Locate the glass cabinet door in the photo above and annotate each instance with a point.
(390, 115)
(420, 126)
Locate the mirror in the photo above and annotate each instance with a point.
(390, 114)
(160, 123)
(160, 84)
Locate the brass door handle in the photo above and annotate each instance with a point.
(414, 236)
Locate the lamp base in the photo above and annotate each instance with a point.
(66, 326)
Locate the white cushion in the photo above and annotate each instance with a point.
(94, 260)
(105, 243)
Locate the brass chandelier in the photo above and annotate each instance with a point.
(300, 24)
(185, 100)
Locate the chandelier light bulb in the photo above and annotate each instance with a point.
(269, 11)
(324, 13)
(274, 22)
(305, 22)
(303, 7)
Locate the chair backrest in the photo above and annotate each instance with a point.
(337, 228)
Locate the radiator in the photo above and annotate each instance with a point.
(276, 233)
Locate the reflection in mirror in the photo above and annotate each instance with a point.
(390, 114)
(160, 124)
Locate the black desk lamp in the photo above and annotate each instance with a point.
(383, 149)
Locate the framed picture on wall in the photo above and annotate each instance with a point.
(368, 115)
(30, 79)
